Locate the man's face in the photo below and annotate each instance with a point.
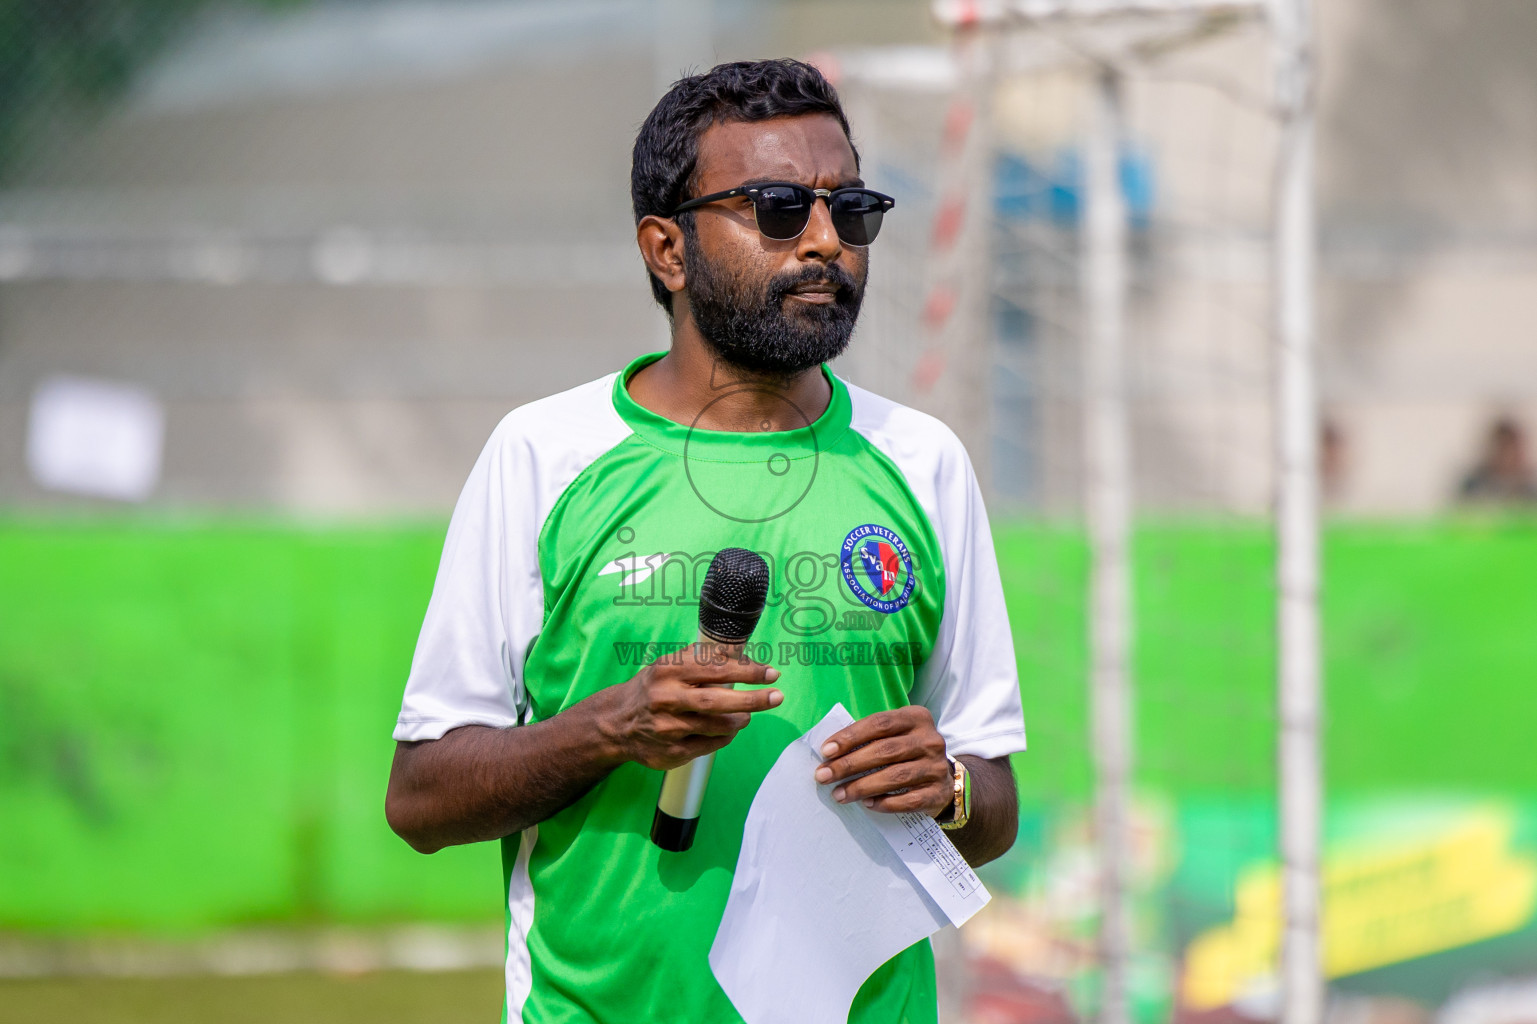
(766, 306)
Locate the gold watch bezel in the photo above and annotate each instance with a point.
(960, 814)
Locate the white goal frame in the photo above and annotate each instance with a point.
(1107, 496)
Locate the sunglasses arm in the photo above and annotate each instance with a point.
(713, 197)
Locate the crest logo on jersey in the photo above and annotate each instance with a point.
(878, 568)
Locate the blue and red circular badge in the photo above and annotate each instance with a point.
(877, 568)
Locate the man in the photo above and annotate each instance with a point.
(575, 553)
(1503, 472)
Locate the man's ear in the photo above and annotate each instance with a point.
(661, 246)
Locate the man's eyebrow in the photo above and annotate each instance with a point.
(855, 182)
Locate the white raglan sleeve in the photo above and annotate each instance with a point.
(487, 603)
(971, 681)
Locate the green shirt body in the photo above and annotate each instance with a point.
(575, 557)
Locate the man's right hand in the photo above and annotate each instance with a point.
(477, 782)
(681, 706)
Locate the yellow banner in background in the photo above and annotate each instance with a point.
(1382, 905)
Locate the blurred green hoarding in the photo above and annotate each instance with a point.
(195, 733)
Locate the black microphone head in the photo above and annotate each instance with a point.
(733, 594)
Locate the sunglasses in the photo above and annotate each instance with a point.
(783, 209)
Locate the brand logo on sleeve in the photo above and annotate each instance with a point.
(878, 568)
(634, 569)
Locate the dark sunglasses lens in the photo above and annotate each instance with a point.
(857, 217)
(783, 211)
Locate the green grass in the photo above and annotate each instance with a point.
(399, 997)
(195, 720)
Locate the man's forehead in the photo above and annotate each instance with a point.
(807, 148)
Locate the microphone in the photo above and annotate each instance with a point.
(731, 599)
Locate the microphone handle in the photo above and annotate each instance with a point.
(677, 809)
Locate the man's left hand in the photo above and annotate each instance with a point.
(904, 755)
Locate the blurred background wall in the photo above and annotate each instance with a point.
(336, 241)
(339, 241)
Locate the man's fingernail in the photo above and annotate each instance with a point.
(870, 803)
(839, 794)
(829, 748)
(776, 698)
(771, 675)
(824, 774)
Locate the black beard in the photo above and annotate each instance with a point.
(750, 329)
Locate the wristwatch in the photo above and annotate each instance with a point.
(960, 806)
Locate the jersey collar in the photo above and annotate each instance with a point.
(733, 445)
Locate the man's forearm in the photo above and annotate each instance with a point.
(478, 782)
(994, 820)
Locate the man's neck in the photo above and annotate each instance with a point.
(693, 386)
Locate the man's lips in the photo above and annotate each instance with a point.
(815, 291)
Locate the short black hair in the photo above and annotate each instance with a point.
(667, 147)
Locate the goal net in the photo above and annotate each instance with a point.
(981, 310)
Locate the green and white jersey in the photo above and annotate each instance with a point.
(574, 557)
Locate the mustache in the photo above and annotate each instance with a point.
(847, 288)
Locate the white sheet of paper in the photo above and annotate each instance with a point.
(935, 863)
(824, 893)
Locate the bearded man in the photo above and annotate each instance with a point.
(574, 556)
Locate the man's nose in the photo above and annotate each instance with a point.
(820, 239)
